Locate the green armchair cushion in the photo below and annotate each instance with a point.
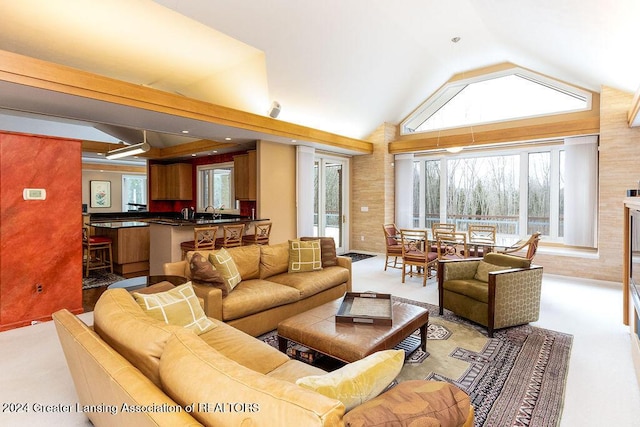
(484, 268)
(475, 289)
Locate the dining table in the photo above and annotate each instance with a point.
(477, 246)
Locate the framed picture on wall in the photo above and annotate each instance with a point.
(100, 194)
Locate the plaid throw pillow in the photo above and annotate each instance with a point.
(179, 306)
(304, 256)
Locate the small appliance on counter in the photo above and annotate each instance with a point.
(188, 213)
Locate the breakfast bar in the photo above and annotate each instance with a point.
(167, 234)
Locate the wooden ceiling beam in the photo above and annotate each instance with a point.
(40, 74)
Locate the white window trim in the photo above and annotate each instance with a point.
(450, 89)
(200, 203)
(553, 146)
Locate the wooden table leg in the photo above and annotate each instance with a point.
(282, 344)
(423, 337)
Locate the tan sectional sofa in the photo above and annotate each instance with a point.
(134, 370)
(268, 293)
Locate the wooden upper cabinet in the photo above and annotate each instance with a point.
(244, 175)
(171, 182)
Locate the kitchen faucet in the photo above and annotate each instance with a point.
(215, 214)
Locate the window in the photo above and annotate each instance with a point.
(492, 188)
(134, 192)
(215, 186)
(505, 95)
(482, 190)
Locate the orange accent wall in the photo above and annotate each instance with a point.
(40, 240)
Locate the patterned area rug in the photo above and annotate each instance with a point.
(97, 279)
(516, 378)
(357, 257)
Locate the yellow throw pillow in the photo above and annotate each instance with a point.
(357, 382)
(484, 268)
(223, 262)
(304, 256)
(179, 306)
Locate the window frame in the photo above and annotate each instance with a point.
(145, 189)
(453, 87)
(200, 207)
(554, 147)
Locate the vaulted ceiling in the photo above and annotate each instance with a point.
(343, 67)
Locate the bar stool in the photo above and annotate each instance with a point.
(231, 236)
(260, 235)
(204, 238)
(96, 252)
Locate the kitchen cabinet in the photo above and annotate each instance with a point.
(130, 241)
(244, 174)
(171, 182)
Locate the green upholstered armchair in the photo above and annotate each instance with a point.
(496, 291)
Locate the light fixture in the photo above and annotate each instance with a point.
(130, 150)
(454, 150)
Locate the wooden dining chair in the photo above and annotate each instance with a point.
(530, 244)
(440, 227)
(393, 245)
(482, 238)
(452, 246)
(413, 243)
(204, 238)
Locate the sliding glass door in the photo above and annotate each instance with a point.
(330, 200)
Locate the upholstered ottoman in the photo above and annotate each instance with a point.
(415, 404)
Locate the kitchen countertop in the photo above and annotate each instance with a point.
(119, 224)
(201, 221)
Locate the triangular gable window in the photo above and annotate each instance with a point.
(502, 96)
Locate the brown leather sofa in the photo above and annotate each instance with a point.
(268, 293)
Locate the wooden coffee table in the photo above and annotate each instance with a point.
(317, 329)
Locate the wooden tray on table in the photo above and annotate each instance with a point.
(366, 308)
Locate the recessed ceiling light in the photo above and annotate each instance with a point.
(100, 154)
(227, 139)
(185, 131)
(193, 155)
(214, 151)
(294, 140)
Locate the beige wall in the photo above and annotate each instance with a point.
(372, 186)
(276, 164)
(618, 170)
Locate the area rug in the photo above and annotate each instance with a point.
(355, 257)
(97, 279)
(516, 378)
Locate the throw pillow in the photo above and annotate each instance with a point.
(203, 273)
(359, 381)
(327, 250)
(223, 262)
(484, 268)
(179, 306)
(304, 256)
